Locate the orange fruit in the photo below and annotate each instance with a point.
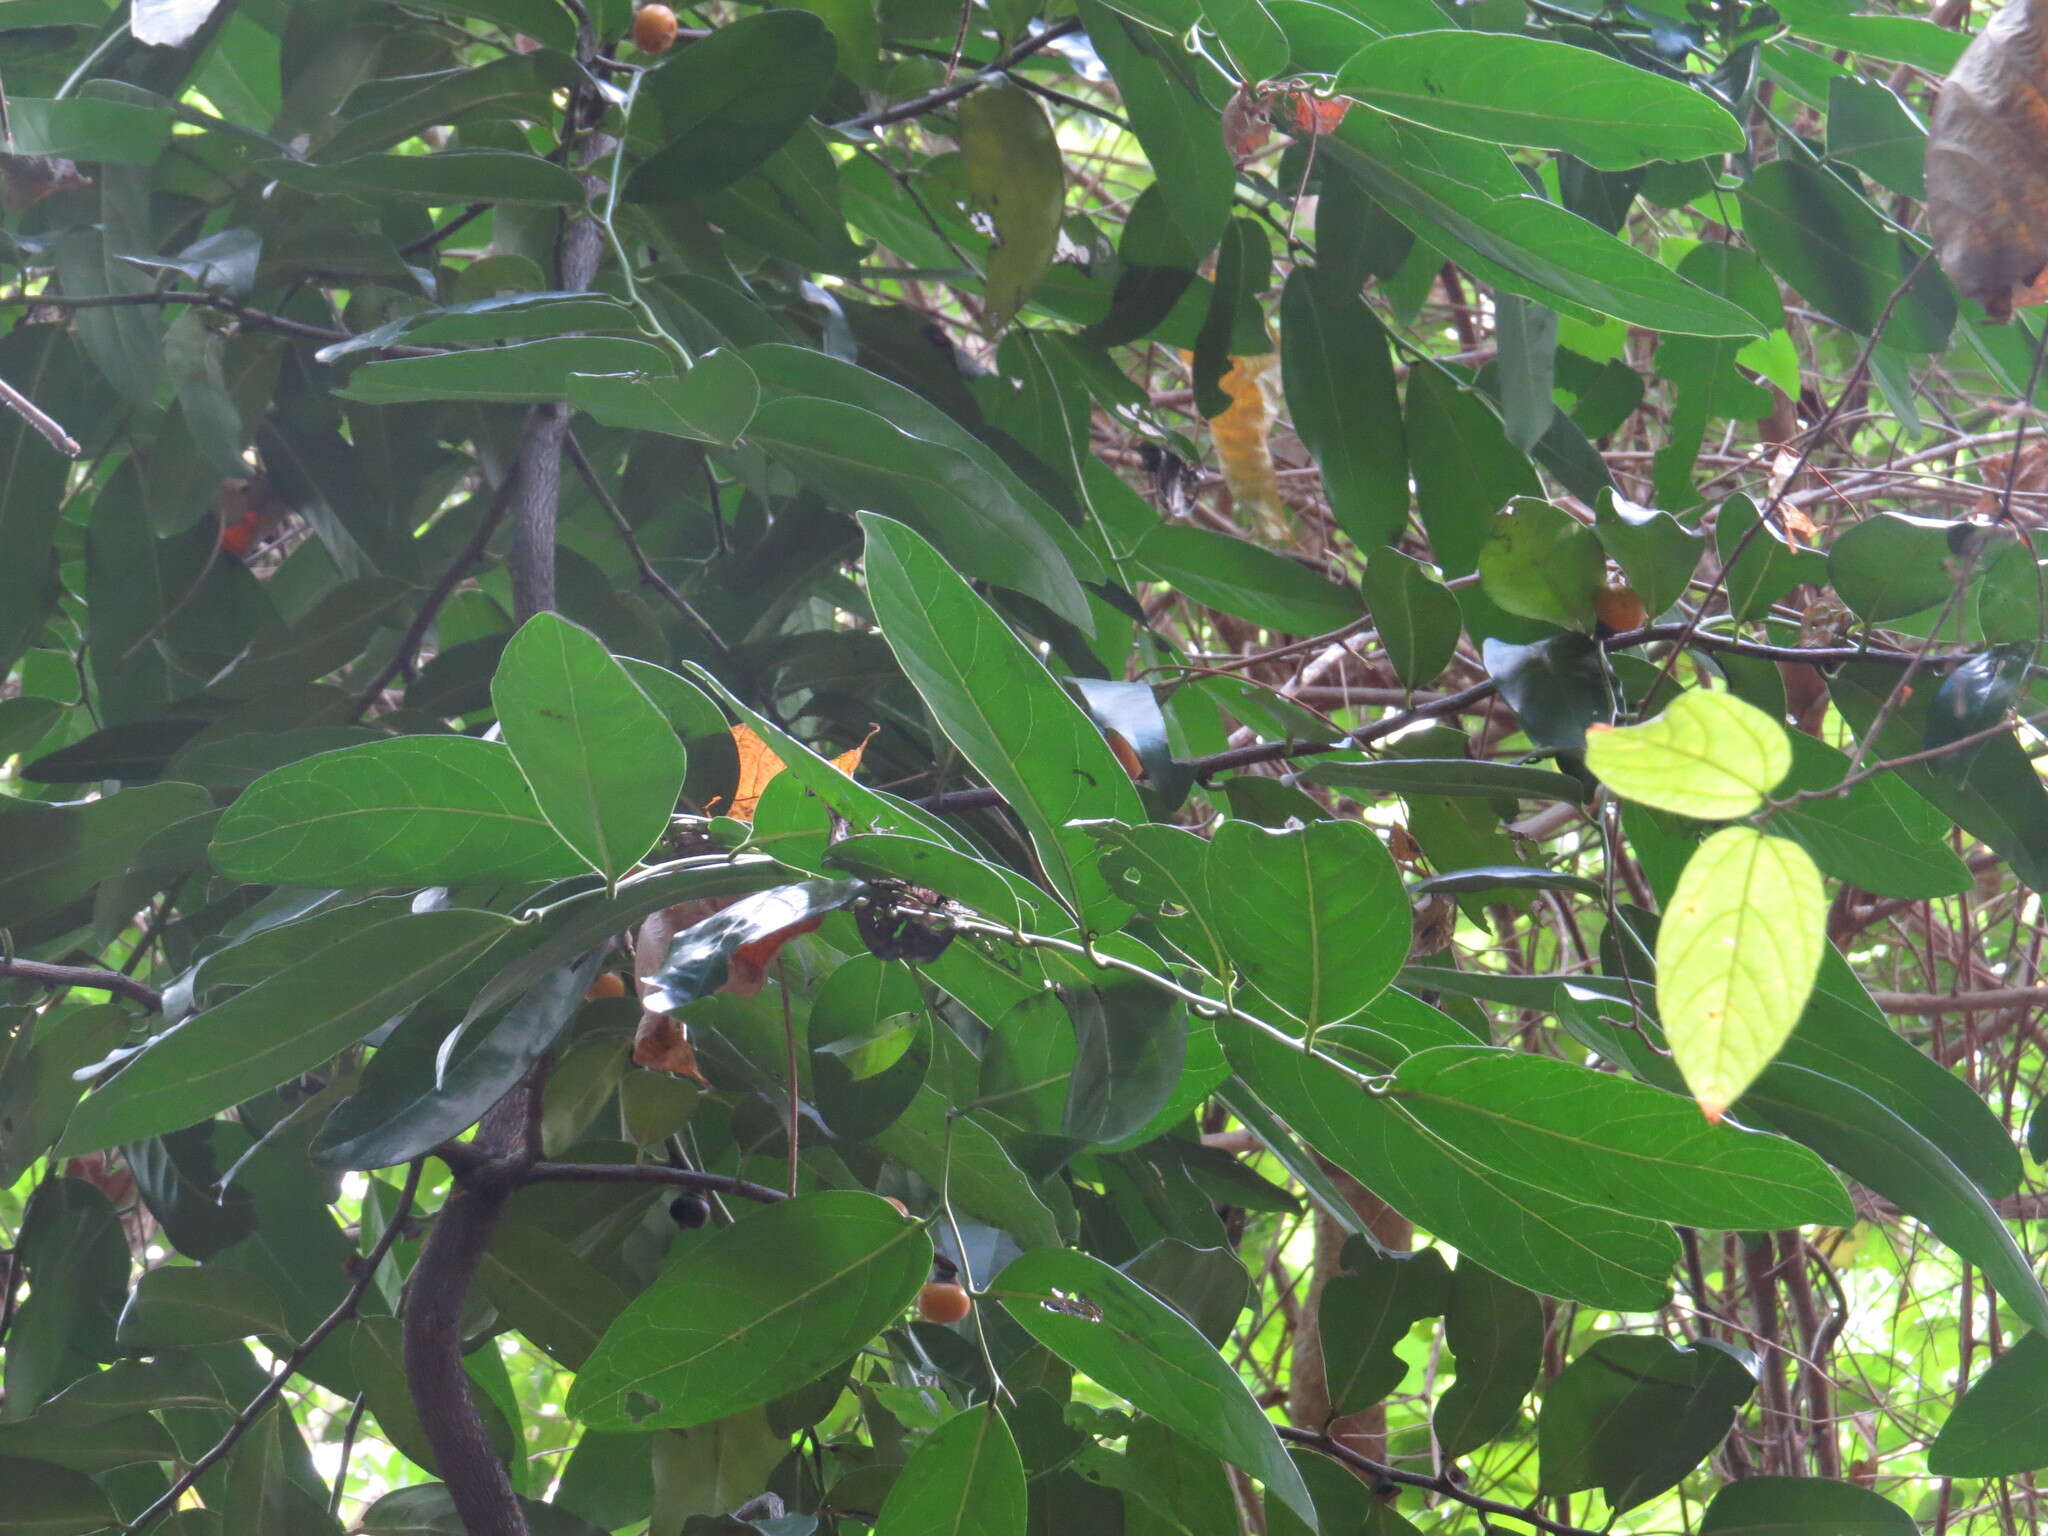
(607, 984)
(1620, 609)
(654, 28)
(941, 1301)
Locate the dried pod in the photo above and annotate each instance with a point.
(904, 922)
(1987, 182)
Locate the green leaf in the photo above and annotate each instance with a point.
(1608, 1141)
(1656, 552)
(283, 1026)
(1509, 89)
(699, 959)
(1122, 1337)
(2000, 1428)
(1832, 247)
(57, 853)
(415, 809)
(409, 1101)
(1761, 568)
(967, 1478)
(502, 317)
(731, 101)
(1880, 836)
(179, 1306)
(1445, 776)
(1494, 1330)
(428, 1509)
(451, 176)
(37, 1090)
(757, 1309)
(1365, 1310)
(47, 1500)
(1546, 1242)
(1339, 380)
(712, 403)
(958, 1154)
(1802, 1506)
(1558, 688)
(1164, 872)
(996, 702)
(525, 373)
(1890, 565)
(1313, 917)
(1736, 956)
(1130, 1042)
(1542, 563)
(1015, 175)
(1417, 618)
(1633, 1415)
(1237, 576)
(1466, 470)
(82, 128)
(1709, 756)
(549, 1292)
(603, 765)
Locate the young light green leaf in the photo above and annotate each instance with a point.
(1710, 756)
(602, 763)
(758, 1309)
(966, 1480)
(1110, 1327)
(1736, 957)
(1540, 562)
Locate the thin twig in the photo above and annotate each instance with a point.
(931, 101)
(86, 976)
(1445, 1487)
(648, 573)
(52, 431)
(365, 1277)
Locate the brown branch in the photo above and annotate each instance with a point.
(1934, 1004)
(365, 1277)
(948, 94)
(89, 977)
(651, 1173)
(648, 574)
(1446, 1487)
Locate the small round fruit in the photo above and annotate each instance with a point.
(1620, 609)
(654, 28)
(689, 1211)
(607, 984)
(943, 1302)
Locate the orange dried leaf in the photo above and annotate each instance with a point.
(664, 1045)
(747, 967)
(1316, 116)
(1242, 450)
(759, 764)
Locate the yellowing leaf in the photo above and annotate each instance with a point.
(1709, 756)
(1736, 957)
(1015, 173)
(1241, 446)
(759, 764)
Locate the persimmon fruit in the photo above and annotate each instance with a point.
(943, 1302)
(654, 29)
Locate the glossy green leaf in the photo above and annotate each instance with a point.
(756, 1310)
(1466, 470)
(1339, 379)
(1001, 708)
(1839, 254)
(2000, 1428)
(1709, 756)
(1559, 688)
(1115, 1331)
(283, 1026)
(1494, 1331)
(1634, 1414)
(967, 1478)
(1609, 1141)
(960, 1155)
(1736, 957)
(729, 102)
(524, 373)
(1241, 577)
(1656, 552)
(1802, 1506)
(1164, 872)
(1890, 565)
(1417, 618)
(1130, 1042)
(1879, 836)
(1314, 918)
(1511, 89)
(180, 1306)
(448, 809)
(548, 1291)
(1548, 1243)
(1542, 563)
(603, 765)
(447, 177)
(409, 1100)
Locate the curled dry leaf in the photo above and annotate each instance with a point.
(1987, 178)
(26, 179)
(662, 1041)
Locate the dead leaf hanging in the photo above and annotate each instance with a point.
(1987, 165)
